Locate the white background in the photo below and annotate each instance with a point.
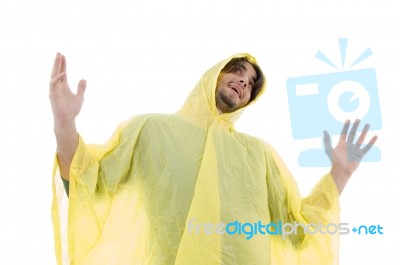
(146, 56)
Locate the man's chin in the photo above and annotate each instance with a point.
(227, 103)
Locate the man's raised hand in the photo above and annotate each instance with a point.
(64, 103)
(348, 153)
(66, 106)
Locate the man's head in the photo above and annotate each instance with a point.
(238, 84)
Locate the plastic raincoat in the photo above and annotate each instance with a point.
(132, 200)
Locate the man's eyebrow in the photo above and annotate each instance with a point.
(243, 67)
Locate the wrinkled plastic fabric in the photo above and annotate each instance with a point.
(131, 199)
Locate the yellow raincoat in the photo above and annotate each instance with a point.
(147, 195)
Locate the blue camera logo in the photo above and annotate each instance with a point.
(325, 101)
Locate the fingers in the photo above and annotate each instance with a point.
(343, 134)
(363, 134)
(59, 66)
(81, 89)
(55, 80)
(63, 64)
(361, 138)
(56, 65)
(353, 131)
(369, 145)
(328, 144)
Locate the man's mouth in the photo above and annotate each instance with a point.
(237, 89)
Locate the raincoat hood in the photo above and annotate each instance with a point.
(201, 101)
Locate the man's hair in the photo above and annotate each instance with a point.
(237, 64)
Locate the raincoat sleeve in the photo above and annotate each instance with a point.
(95, 173)
(314, 244)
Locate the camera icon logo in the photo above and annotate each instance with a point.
(325, 101)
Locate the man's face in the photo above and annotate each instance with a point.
(234, 89)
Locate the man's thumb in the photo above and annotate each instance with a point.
(81, 88)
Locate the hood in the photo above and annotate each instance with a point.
(200, 104)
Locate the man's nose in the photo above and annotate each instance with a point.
(244, 81)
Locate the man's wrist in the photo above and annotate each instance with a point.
(340, 174)
(340, 178)
(61, 126)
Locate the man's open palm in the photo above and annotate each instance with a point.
(348, 153)
(65, 104)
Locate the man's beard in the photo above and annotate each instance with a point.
(224, 102)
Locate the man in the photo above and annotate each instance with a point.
(155, 192)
